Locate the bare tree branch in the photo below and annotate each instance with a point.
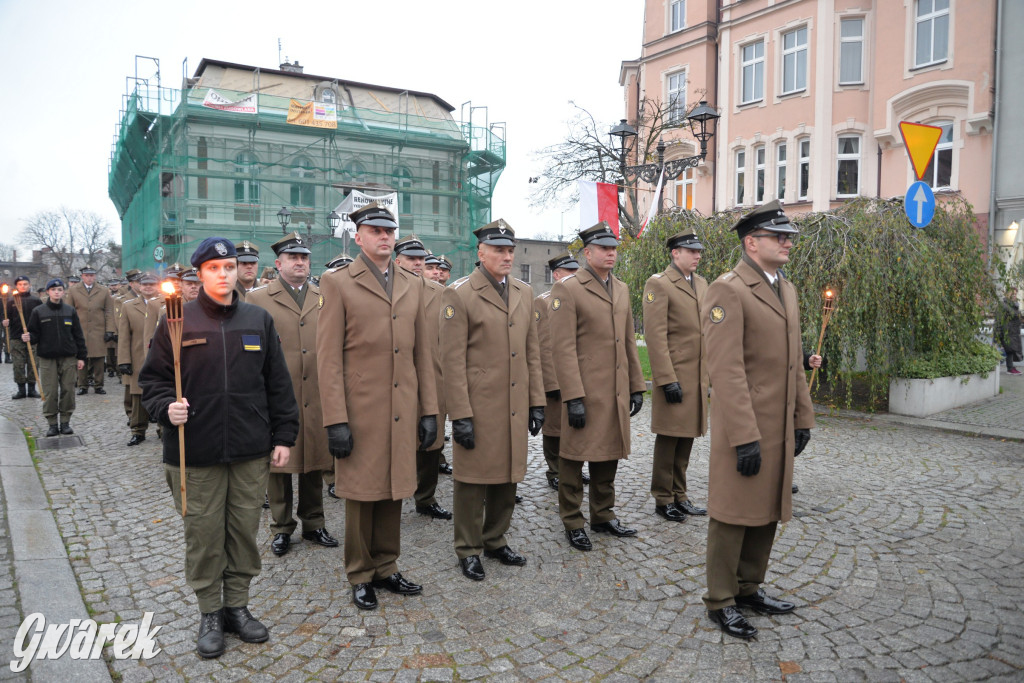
(6, 252)
(66, 232)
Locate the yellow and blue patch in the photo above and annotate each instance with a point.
(251, 342)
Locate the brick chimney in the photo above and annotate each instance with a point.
(294, 67)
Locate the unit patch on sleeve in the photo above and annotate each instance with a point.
(717, 314)
(449, 312)
(556, 303)
(649, 297)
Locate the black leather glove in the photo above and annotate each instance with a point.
(673, 392)
(802, 436)
(748, 459)
(109, 336)
(427, 431)
(636, 402)
(125, 368)
(536, 420)
(339, 440)
(555, 395)
(577, 413)
(462, 432)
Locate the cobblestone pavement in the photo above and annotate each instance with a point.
(904, 557)
(1005, 410)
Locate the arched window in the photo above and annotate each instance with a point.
(354, 171)
(247, 190)
(328, 96)
(303, 194)
(403, 181)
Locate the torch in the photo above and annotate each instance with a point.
(31, 356)
(826, 315)
(4, 288)
(175, 321)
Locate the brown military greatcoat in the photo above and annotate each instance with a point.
(136, 326)
(491, 365)
(758, 393)
(432, 309)
(553, 406)
(297, 329)
(594, 351)
(96, 312)
(675, 347)
(376, 374)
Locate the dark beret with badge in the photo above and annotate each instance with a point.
(684, 240)
(247, 252)
(410, 246)
(213, 248)
(563, 260)
(769, 217)
(55, 282)
(290, 244)
(497, 234)
(339, 260)
(600, 235)
(374, 214)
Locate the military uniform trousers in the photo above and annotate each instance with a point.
(737, 560)
(128, 402)
(93, 369)
(427, 463)
(373, 539)
(328, 475)
(57, 377)
(311, 502)
(570, 491)
(22, 365)
(551, 456)
(110, 362)
(483, 513)
(223, 516)
(668, 471)
(138, 418)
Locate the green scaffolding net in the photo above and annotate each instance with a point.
(181, 171)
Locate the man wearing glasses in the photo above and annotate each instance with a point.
(761, 417)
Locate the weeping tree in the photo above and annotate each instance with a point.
(909, 302)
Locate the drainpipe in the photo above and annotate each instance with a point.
(878, 186)
(714, 141)
(995, 131)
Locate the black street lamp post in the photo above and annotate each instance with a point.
(284, 217)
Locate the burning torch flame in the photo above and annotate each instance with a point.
(168, 288)
(829, 294)
(4, 288)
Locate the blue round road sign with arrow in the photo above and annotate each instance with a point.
(919, 204)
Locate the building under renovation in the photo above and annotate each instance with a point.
(237, 147)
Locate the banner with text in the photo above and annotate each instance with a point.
(313, 114)
(246, 105)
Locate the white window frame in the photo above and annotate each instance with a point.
(781, 152)
(739, 184)
(804, 152)
(791, 57)
(760, 156)
(328, 96)
(845, 41)
(930, 18)
(755, 67)
(685, 187)
(675, 95)
(676, 19)
(848, 157)
(942, 146)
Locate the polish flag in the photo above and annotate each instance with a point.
(655, 203)
(599, 202)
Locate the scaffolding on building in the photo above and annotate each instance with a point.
(181, 171)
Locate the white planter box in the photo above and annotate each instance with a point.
(924, 397)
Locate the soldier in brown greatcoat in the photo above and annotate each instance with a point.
(602, 385)
(248, 267)
(561, 266)
(137, 321)
(675, 346)
(494, 392)
(379, 399)
(131, 291)
(761, 417)
(95, 310)
(293, 302)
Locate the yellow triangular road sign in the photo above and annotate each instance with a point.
(920, 141)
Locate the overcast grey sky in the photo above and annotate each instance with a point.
(64, 65)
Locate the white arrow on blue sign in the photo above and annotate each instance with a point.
(919, 204)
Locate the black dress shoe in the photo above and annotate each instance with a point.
(553, 483)
(136, 439)
(670, 512)
(363, 596)
(472, 568)
(506, 555)
(760, 602)
(796, 489)
(54, 430)
(280, 544)
(320, 537)
(396, 583)
(613, 527)
(578, 539)
(691, 509)
(434, 510)
(210, 642)
(444, 468)
(99, 390)
(82, 391)
(65, 428)
(238, 620)
(331, 493)
(732, 622)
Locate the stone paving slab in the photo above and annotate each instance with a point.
(903, 556)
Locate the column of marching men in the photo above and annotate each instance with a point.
(361, 370)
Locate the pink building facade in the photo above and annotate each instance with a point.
(811, 93)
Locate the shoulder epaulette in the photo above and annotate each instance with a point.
(545, 295)
(461, 281)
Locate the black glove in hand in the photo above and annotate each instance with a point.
(339, 440)
(802, 437)
(577, 413)
(462, 432)
(673, 392)
(555, 395)
(636, 402)
(748, 459)
(109, 336)
(125, 368)
(536, 420)
(427, 431)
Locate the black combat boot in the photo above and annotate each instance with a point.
(20, 393)
(210, 642)
(32, 393)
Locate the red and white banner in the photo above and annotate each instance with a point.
(599, 202)
(246, 105)
(655, 203)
